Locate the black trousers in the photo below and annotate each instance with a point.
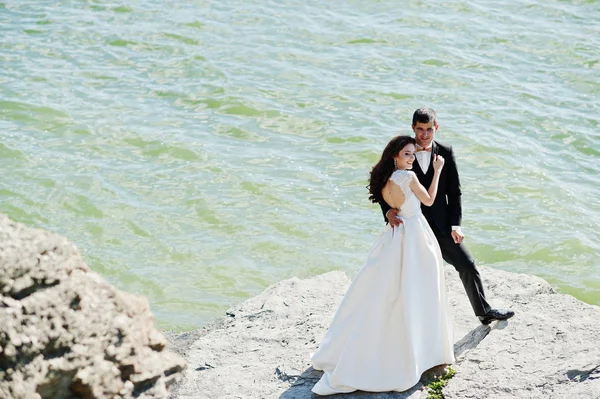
(458, 256)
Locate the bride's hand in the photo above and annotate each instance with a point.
(438, 162)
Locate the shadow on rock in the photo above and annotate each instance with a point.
(471, 340)
(302, 385)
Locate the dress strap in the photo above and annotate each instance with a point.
(403, 178)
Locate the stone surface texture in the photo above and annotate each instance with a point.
(261, 348)
(66, 333)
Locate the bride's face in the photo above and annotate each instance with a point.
(405, 157)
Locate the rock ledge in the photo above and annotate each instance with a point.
(261, 348)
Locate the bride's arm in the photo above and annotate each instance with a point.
(427, 197)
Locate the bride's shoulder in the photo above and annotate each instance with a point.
(412, 176)
(402, 176)
(398, 173)
(404, 173)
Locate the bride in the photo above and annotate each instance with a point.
(394, 321)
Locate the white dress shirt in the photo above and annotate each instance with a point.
(424, 159)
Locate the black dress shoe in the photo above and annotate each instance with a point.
(496, 314)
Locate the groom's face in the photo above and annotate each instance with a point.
(424, 133)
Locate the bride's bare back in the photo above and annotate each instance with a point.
(393, 195)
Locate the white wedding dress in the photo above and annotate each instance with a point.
(394, 321)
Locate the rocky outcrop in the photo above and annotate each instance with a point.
(64, 332)
(261, 348)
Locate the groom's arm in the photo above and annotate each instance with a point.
(453, 191)
(384, 209)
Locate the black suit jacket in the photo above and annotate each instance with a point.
(446, 210)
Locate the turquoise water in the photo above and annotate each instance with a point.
(200, 151)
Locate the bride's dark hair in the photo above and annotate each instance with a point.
(383, 169)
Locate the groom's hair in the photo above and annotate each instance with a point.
(424, 115)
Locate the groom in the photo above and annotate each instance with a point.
(444, 216)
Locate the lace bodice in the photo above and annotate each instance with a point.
(411, 205)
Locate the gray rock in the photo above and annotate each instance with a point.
(262, 347)
(64, 332)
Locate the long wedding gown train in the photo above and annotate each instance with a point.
(394, 321)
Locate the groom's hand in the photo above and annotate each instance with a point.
(391, 217)
(457, 236)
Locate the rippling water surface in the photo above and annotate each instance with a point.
(198, 151)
